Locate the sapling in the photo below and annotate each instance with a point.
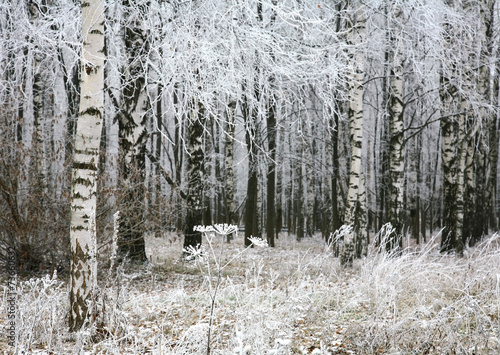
(216, 250)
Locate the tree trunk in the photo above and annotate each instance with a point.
(414, 182)
(229, 204)
(207, 171)
(83, 275)
(279, 184)
(271, 173)
(489, 82)
(309, 190)
(133, 138)
(449, 164)
(299, 191)
(251, 217)
(396, 157)
(449, 144)
(178, 157)
(355, 208)
(158, 207)
(251, 206)
(478, 211)
(462, 182)
(194, 213)
(336, 220)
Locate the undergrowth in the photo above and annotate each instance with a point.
(292, 299)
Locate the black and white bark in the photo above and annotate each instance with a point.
(132, 122)
(196, 157)
(396, 132)
(83, 275)
(356, 197)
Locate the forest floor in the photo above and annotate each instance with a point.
(291, 299)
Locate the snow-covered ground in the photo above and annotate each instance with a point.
(293, 299)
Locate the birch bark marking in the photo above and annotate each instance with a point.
(396, 129)
(194, 215)
(461, 177)
(355, 202)
(449, 143)
(449, 164)
(489, 73)
(85, 162)
(133, 136)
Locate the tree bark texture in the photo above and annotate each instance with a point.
(194, 213)
(356, 205)
(396, 158)
(132, 121)
(85, 163)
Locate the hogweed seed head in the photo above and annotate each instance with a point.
(221, 229)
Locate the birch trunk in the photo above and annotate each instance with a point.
(449, 144)
(449, 165)
(355, 196)
(479, 219)
(194, 215)
(133, 139)
(489, 82)
(396, 161)
(462, 170)
(85, 163)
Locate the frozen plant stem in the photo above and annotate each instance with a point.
(222, 230)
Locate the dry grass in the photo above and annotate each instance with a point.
(294, 299)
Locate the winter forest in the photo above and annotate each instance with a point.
(250, 176)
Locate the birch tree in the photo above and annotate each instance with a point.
(356, 203)
(465, 79)
(85, 163)
(396, 129)
(194, 214)
(132, 117)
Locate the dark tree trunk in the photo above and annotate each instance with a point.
(194, 213)
(336, 220)
(251, 217)
(271, 174)
(448, 132)
(133, 139)
(178, 159)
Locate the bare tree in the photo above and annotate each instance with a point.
(356, 203)
(83, 275)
